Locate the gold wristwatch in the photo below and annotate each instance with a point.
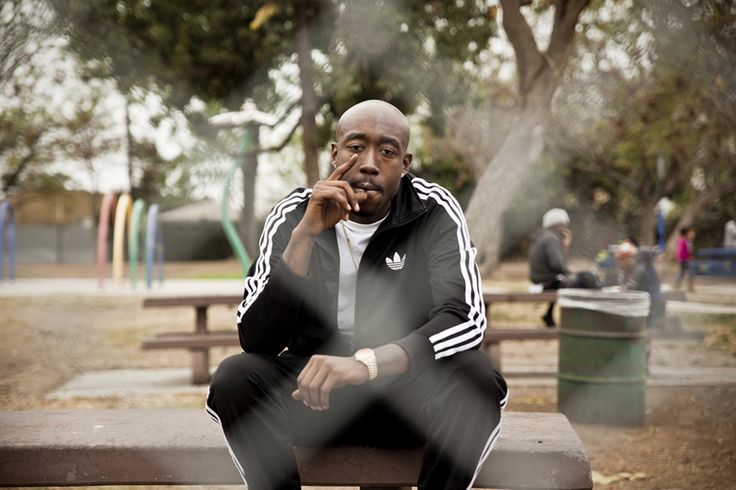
(368, 357)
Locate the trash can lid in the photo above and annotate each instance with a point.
(621, 303)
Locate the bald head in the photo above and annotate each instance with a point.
(377, 112)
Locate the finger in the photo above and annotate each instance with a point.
(340, 170)
(327, 388)
(312, 378)
(315, 389)
(355, 196)
(304, 371)
(297, 395)
(333, 193)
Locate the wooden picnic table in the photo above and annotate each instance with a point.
(201, 339)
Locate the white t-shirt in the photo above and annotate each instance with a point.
(351, 251)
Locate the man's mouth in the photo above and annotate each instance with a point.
(366, 187)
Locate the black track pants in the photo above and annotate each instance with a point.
(454, 408)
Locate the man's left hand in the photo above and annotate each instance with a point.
(322, 374)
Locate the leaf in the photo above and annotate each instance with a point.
(603, 480)
(267, 10)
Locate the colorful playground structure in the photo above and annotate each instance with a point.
(129, 214)
(7, 238)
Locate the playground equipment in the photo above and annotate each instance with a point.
(129, 215)
(248, 118)
(154, 247)
(7, 236)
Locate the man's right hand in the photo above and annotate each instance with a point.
(332, 200)
(567, 238)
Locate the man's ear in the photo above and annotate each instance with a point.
(333, 151)
(407, 162)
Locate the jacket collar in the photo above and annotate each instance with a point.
(406, 206)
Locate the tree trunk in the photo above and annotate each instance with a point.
(309, 99)
(648, 220)
(499, 183)
(539, 75)
(249, 167)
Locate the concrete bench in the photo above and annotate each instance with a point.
(184, 447)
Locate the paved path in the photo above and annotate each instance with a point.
(175, 381)
(89, 287)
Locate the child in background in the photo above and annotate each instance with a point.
(683, 255)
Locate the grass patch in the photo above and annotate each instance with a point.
(722, 333)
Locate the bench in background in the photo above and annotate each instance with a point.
(184, 447)
(200, 340)
(496, 335)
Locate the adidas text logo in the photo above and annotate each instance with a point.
(397, 263)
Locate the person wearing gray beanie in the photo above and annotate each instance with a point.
(548, 259)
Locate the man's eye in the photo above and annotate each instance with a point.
(355, 147)
(387, 153)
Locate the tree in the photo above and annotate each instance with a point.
(539, 73)
(408, 53)
(218, 51)
(24, 27)
(37, 126)
(699, 41)
(657, 125)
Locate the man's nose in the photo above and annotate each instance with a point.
(367, 164)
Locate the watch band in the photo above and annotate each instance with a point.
(368, 358)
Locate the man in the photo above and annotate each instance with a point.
(548, 256)
(361, 321)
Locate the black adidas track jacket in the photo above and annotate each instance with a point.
(418, 285)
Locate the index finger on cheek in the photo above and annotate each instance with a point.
(343, 168)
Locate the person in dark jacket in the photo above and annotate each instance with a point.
(644, 277)
(548, 256)
(361, 321)
(548, 260)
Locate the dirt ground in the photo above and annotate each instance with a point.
(687, 443)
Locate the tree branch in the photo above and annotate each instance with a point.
(619, 177)
(563, 30)
(288, 111)
(284, 142)
(528, 57)
(10, 180)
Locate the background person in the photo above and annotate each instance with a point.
(684, 255)
(548, 259)
(548, 256)
(729, 234)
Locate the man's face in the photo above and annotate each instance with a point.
(378, 136)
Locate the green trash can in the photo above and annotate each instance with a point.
(602, 356)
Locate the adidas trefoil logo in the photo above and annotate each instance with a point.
(396, 263)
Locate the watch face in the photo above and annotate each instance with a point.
(367, 357)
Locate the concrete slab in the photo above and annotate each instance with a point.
(176, 381)
(658, 376)
(701, 308)
(128, 382)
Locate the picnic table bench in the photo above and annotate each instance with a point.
(495, 335)
(184, 447)
(202, 339)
